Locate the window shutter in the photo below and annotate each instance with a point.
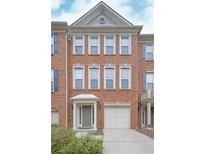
(144, 82)
(55, 43)
(144, 51)
(55, 80)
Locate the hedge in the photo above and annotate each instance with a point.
(65, 141)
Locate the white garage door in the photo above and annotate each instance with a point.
(117, 117)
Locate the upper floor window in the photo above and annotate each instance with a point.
(78, 78)
(148, 51)
(54, 43)
(54, 80)
(125, 77)
(125, 45)
(94, 77)
(94, 48)
(109, 46)
(109, 78)
(78, 45)
(149, 81)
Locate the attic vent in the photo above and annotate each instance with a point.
(102, 20)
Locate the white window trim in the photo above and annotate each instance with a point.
(89, 44)
(89, 78)
(130, 75)
(114, 79)
(74, 43)
(53, 76)
(148, 72)
(130, 44)
(78, 66)
(79, 115)
(114, 46)
(146, 52)
(149, 44)
(92, 115)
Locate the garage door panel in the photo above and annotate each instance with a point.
(117, 117)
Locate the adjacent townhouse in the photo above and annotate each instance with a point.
(146, 81)
(102, 72)
(58, 72)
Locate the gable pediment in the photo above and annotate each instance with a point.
(102, 15)
(101, 20)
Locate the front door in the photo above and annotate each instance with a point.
(86, 116)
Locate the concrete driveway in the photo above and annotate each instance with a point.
(126, 141)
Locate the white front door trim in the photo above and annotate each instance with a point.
(77, 124)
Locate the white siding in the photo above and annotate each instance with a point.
(96, 20)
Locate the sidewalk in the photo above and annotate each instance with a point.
(148, 132)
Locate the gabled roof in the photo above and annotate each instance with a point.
(104, 9)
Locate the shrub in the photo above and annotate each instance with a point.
(64, 141)
(60, 136)
(93, 144)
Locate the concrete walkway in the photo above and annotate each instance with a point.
(126, 141)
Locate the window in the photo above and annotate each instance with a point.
(94, 77)
(149, 52)
(54, 117)
(125, 45)
(54, 43)
(109, 45)
(54, 80)
(125, 77)
(149, 80)
(94, 45)
(78, 45)
(109, 78)
(78, 78)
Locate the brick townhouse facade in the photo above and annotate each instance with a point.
(101, 72)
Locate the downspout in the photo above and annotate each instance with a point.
(66, 97)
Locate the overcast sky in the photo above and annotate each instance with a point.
(138, 12)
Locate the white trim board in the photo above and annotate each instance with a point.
(102, 7)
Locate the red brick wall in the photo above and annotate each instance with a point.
(139, 66)
(58, 62)
(115, 95)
